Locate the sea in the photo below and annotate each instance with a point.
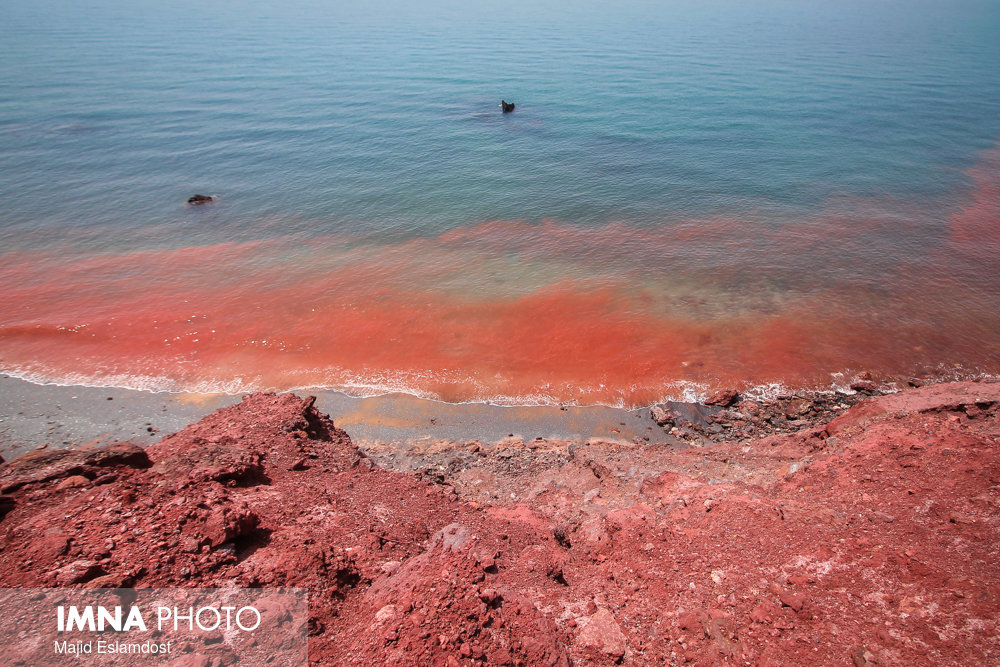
(689, 195)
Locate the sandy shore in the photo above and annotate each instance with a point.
(53, 416)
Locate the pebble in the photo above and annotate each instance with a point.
(793, 600)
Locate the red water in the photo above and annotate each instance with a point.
(526, 313)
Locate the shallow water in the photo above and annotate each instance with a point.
(687, 196)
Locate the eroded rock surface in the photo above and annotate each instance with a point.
(870, 538)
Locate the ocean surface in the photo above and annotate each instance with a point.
(689, 195)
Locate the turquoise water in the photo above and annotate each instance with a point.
(379, 124)
(385, 116)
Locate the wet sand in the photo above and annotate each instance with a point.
(53, 416)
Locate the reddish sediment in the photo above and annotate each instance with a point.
(618, 314)
(870, 539)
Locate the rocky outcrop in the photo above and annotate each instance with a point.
(269, 493)
(87, 464)
(870, 539)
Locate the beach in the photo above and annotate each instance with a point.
(834, 541)
(65, 417)
(502, 334)
(60, 417)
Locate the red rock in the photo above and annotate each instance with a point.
(490, 596)
(73, 482)
(49, 465)
(113, 580)
(764, 612)
(861, 657)
(723, 398)
(53, 544)
(454, 537)
(213, 463)
(500, 656)
(392, 565)
(603, 634)
(77, 572)
(864, 385)
(958, 517)
(693, 621)
(794, 600)
(661, 416)
(225, 524)
(537, 558)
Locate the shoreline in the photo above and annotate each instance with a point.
(53, 416)
(830, 543)
(50, 416)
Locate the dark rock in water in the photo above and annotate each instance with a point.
(198, 200)
(506, 106)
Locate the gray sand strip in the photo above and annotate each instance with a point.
(33, 415)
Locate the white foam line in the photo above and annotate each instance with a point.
(680, 391)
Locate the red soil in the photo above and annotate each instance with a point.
(873, 539)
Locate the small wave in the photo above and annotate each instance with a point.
(147, 383)
(375, 385)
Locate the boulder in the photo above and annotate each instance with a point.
(723, 398)
(661, 416)
(603, 634)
